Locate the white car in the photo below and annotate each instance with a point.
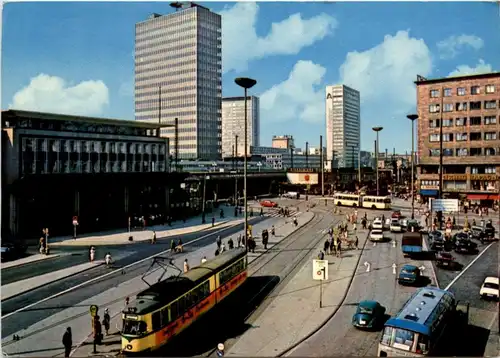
(404, 223)
(489, 288)
(378, 224)
(377, 235)
(396, 226)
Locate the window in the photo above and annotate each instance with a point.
(434, 93)
(433, 152)
(447, 92)
(434, 108)
(474, 136)
(475, 121)
(490, 104)
(490, 88)
(461, 91)
(434, 123)
(490, 136)
(490, 170)
(460, 137)
(448, 137)
(490, 120)
(488, 151)
(447, 122)
(461, 121)
(434, 138)
(475, 90)
(461, 152)
(448, 152)
(475, 105)
(448, 107)
(461, 106)
(475, 152)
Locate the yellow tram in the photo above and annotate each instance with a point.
(168, 307)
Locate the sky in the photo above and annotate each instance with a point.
(78, 58)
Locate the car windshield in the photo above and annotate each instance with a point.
(133, 327)
(377, 232)
(491, 285)
(408, 271)
(365, 310)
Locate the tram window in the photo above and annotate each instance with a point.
(181, 305)
(134, 327)
(387, 201)
(164, 317)
(156, 320)
(174, 311)
(188, 300)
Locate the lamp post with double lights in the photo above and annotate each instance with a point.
(412, 118)
(245, 83)
(376, 130)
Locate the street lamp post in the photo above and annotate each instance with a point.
(412, 118)
(376, 130)
(245, 83)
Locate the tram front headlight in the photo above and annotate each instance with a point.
(129, 347)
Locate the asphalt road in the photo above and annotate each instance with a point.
(338, 337)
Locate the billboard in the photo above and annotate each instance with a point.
(302, 178)
(445, 205)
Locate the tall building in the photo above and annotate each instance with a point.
(283, 141)
(467, 107)
(178, 63)
(342, 126)
(233, 124)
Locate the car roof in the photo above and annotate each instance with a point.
(409, 267)
(491, 279)
(368, 304)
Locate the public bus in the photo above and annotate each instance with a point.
(418, 327)
(377, 202)
(341, 199)
(168, 307)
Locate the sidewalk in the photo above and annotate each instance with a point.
(44, 337)
(27, 260)
(295, 309)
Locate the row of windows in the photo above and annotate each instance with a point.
(164, 90)
(233, 270)
(462, 106)
(462, 91)
(461, 137)
(464, 152)
(163, 70)
(462, 121)
(167, 38)
(164, 32)
(143, 64)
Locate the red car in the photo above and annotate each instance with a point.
(268, 204)
(396, 214)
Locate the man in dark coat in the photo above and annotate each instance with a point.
(67, 342)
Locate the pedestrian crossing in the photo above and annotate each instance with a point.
(275, 212)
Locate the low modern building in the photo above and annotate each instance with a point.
(103, 171)
(283, 141)
(468, 110)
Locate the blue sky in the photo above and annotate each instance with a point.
(78, 57)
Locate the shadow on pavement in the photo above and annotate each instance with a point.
(471, 342)
(226, 321)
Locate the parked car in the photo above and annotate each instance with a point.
(396, 214)
(369, 315)
(268, 204)
(378, 224)
(465, 246)
(445, 260)
(409, 274)
(489, 288)
(404, 223)
(376, 235)
(396, 226)
(413, 224)
(436, 240)
(12, 248)
(478, 233)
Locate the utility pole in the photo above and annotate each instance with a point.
(176, 134)
(159, 112)
(291, 156)
(307, 154)
(440, 148)
(322, 164)
(237, 166)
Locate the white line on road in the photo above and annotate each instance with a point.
(467, 267)
(108, 274)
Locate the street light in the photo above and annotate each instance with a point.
(246, 83)
(412, 118)
(376, 130)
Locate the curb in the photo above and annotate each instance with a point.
(59, 279)
(54, 256)
(331, 315)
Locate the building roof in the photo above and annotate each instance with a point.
(424, 81)
(14, 113)
(224, 99)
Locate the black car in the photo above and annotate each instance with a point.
(465, 246)
(436, 240)
(12, 249)
(478, 232)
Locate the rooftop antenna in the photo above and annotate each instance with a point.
(176, 5)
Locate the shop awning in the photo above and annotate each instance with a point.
(428, 192)
(482, 196)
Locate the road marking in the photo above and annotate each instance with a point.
(468, 266)
(109, 274)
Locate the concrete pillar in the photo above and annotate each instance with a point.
(13, 214)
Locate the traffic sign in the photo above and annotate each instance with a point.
(93, 310)
(320, 270)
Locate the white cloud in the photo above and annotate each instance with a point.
(450, 47)
(51, 94)
(241, 44)
(463, 70)
(385, 74)
(298, 97)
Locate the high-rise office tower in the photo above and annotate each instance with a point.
(233, 124)
(342, 126)
(178, 64)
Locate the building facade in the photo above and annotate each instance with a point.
(283, 141)
(233, 125)
(178, 74)
(55, 167)
(343, 115)
(467, 108)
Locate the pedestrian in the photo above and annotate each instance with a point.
(222, 248)
(107, 259)
(326, 246)
(265, 238)
(41, 244)
(321, 255)
(219, 242)
(339, 248)
(239, 240)
(213, 221)
(186, 266)
(261, 212)
(172, 245)
(354, 228)
(106, 321)
(97, 332)
(67, 342)
(204, 259)
(230, 243)
(153, 241)
(356, 243)
(92, 253)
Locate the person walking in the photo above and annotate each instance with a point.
(204, 259)
(186, 266)
(67, 342)
(106, 321)
(239, 240)
(356, 243)
(107, 259)
(326, 246)
(230, 243)
(92, 253)
(97, 333)
(219, 242)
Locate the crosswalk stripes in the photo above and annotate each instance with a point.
(274, 213)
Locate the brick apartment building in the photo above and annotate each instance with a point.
(468, 107)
